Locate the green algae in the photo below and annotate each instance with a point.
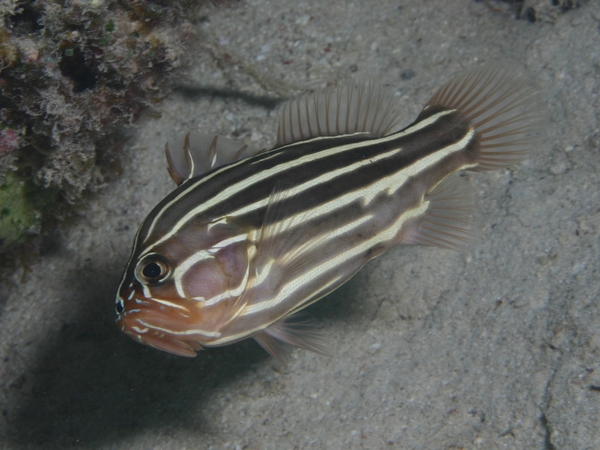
(22, 205)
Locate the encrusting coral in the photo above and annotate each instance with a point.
(72, 74)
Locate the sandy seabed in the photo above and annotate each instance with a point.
(496, 347)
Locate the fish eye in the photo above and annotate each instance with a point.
(153, 269)
(119, 306)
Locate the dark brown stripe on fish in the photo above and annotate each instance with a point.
(446, 130)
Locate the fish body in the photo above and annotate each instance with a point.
(248, 238)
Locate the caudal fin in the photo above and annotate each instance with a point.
(503, 108)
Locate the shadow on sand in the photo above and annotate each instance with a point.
(94, 386)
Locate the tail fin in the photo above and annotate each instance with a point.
(502, 107)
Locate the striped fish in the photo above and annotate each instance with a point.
(249, 238)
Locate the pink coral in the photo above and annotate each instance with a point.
(9, 141)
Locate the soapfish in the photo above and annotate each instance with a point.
(250, 238)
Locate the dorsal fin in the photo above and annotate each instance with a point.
(350, 107)
(199, 153)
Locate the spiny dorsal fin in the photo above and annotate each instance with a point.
(449, 221)
(350, 107)
(199, 153)
(502, 107)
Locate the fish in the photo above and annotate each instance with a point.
(249, 238)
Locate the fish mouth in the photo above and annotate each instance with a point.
(159, 330)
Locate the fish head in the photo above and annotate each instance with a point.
(177, 293)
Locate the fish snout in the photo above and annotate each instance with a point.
(158, 329)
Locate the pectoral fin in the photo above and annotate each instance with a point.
(281, 256)
(282, 248)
